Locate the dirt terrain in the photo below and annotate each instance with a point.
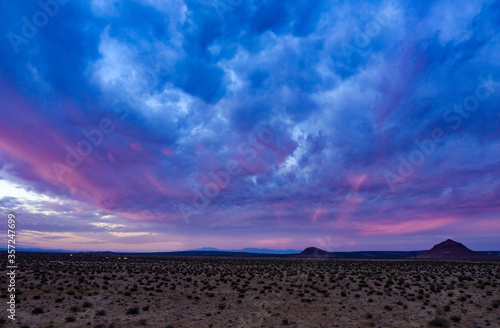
(59, 290)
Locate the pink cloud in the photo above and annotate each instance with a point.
(276, 243)
(167, 151)
(318, 213)
(136, 146)
(391, 228)
(357, 180)
(110, 157)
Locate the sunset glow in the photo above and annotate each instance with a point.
(161, 126)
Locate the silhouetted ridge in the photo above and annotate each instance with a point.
(314, 252)
(450, 249)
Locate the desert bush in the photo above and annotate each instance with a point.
(75, 309)
(133, 310)
(439, 322)
(37, 310)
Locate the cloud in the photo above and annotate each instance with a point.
(129, 112)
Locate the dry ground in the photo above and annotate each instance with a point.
(56, 290)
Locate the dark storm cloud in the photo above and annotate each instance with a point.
(318, 104)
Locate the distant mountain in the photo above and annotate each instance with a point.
(495, 253)
(38, 250)
(250, 250)
(450, 249)
(314, 252)
(378, 254)
(203, 249)
(270, 251)
(217, 253)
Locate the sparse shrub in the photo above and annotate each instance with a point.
(439, 322)
(75, 309)
(37, 310)
(455, 318)
(70, 319)
(134, 310)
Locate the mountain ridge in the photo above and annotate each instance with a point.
(450, 249)
(314, 252)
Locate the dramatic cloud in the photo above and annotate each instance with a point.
(154, 125)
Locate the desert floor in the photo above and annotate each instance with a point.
(59, 290)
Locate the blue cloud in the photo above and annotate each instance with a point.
(315, 102)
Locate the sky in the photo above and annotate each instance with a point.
(169, 125)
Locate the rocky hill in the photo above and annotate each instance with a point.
(450, 249)
(314, 252)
